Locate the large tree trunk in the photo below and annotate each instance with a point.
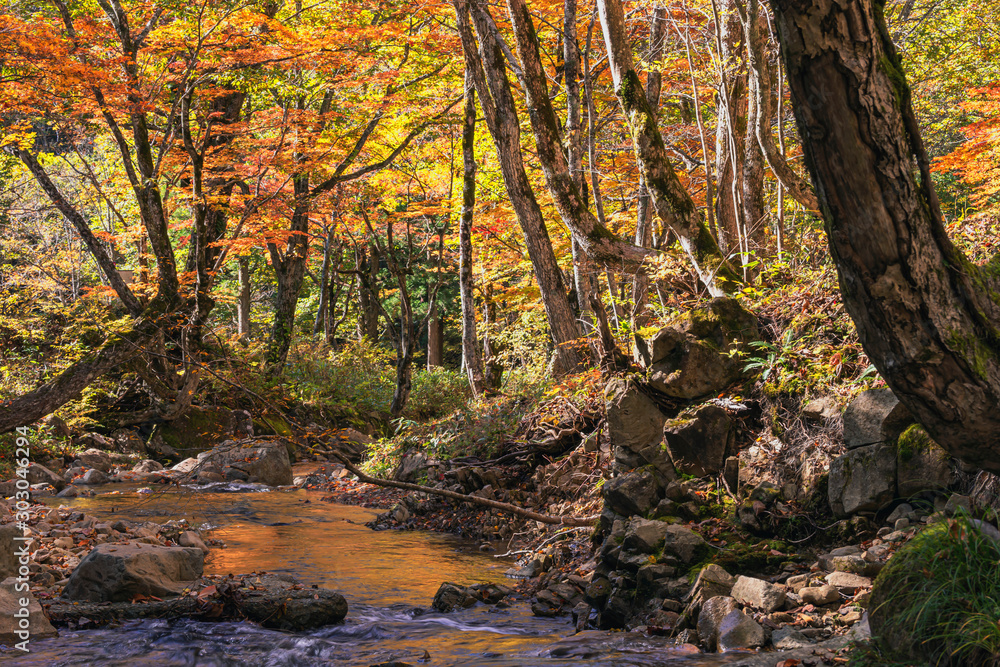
(928, 318)
(497, 103)
(673, 204)
(243, 306)
(470, 343)
(289, 271)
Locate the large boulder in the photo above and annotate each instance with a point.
(635, 428)
(683, 543)
(39, 474)
(758, 593)
(120, 572)
(95, 458)
(193, 432)
(737, 630)
(713, 611)
(631, 494)
(15, 626)
(921, 464)
(698, 442)
(265, 460)
(863, 479)
(645, 536)
(713, 581)
(692, 357)
(876, 416)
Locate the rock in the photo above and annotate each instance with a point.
(12, 626)
(95, 441)
(904, 510)
(631, 494)
(39, 474)
(875, 417)
(731, 473)
(635, 426)
(788, 639)
(644, 535)
(820, 409)
(119, 572)
(737, 630)
(452, 596)
(129, 442)
(95, 458)
(274, 601)
(847, 582)
(193, 432)
(581, 616)
(683, 543)
(690, 358)
(93, 477)
(713, 581)
(409, 466)
(697, 443)
(69, 492)
(267, 460)
(820, 595)
(186, 466)
(8, 559)
(863, 479)
(650, 579)
(713, 611)
(758, 593)
(957, 501)
(190, 538)
(58, 426)
(921, 464)
(148, 465)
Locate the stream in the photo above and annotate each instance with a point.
(388, 578)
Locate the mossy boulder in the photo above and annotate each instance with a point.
(197, 430)
(935, 602)
(694, 356)
(921, 464)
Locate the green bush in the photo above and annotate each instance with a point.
(937, 601)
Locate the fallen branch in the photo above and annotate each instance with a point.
(586, 521)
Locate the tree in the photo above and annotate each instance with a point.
(928, 318)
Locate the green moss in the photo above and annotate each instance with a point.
(913, 441)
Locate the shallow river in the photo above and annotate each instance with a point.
(388, 578)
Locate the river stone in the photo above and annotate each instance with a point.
(452, 596)
(683, 543)
(267, 460)
(631, 494)
(95, 458)
(737, 630)
(863, 479)
(713, 581)
(190, 538)
(758, 593)
(39, 474)
(788, 639)
(645, 535)
(820, 595)
(921, 464)
(697, 442)
(119, 572)
(848, 582)
(148, 465)
(93, 477)
(8, 559)
(876, 416)
(10, 604)
(710, 618)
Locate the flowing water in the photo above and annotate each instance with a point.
(388, 578)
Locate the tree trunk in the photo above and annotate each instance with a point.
(497, 103)
(435, 340)
(670, 200)
(473, 362)
(289, 270)
(926, 316)
(760, 92)
(730, 132)
(243, 306)
(366, 265)
(324, 279)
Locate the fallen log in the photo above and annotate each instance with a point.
(584, 521)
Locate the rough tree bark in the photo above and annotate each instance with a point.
(470, 343)
(672, 203)
(927, 317)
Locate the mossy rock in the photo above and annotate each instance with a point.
(921, 464)
(197, 430)
(936, 603)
